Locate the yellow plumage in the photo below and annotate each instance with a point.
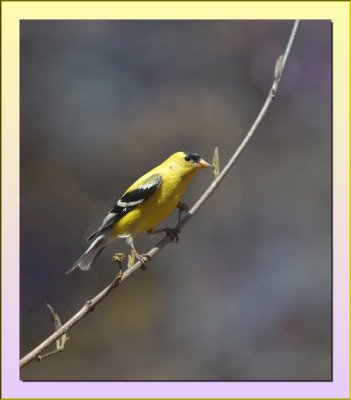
(146, 203)
(176, 176)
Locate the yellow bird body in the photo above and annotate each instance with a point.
(146, 203)
(160, 205)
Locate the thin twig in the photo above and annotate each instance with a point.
(121, 277)
(61, 341)
(39, 357)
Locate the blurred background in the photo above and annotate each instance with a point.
(246, 293)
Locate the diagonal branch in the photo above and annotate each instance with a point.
(122, 276)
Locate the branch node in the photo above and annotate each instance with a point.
(117, 279)
(118, 257)
(90, 306)
(273, 93)
(279, 66)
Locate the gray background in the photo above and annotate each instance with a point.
(246, 293)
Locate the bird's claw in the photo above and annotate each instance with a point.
(173, 234)
(143, 258)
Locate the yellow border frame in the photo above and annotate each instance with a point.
(13, 11)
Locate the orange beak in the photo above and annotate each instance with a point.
(203, 164)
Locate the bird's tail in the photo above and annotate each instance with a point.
(86, 260)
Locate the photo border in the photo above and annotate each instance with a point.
(12, 13)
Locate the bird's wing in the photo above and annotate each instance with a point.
(131, 199)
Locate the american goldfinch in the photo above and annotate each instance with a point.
(144, 205)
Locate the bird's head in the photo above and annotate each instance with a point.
(189, 161)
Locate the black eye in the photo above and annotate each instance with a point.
(187, 158)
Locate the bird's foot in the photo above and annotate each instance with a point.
(143, 258)
(173, 234)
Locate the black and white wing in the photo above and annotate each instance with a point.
(128, 201)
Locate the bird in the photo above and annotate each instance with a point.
(146, 203)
